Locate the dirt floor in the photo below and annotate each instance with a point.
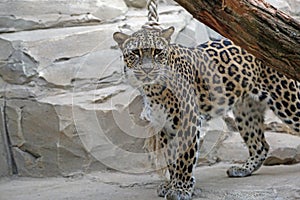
(276, 183)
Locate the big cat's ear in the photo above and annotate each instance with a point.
(120, 37)
(167, 33)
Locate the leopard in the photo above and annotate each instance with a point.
(182, 87)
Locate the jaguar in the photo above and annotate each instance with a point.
(184, 86)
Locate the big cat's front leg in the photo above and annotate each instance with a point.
(182, 156)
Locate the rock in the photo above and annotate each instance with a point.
(17, 16)
(219, 143)
(213, 35)
(6, 50)
(297, 157)
(33, 128)
(136, 3)
(209, 146)
(60, 147)
(291, 7)
(48, 114)
(282, 156)
(169, 2)
(193, 34)
(294, 7)
(60, 55)
(5, 164)
(18, 68)
(108, 10)
(232, 149)
(284, 149)
(229, 147)
(72, 132)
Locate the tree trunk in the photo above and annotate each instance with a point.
(268, 33)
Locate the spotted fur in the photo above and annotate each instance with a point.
(183, 86)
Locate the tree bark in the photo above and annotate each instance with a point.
(266, 32)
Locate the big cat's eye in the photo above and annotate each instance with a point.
(136, 52)
(157, 51)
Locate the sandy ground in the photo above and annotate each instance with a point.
(276, 183)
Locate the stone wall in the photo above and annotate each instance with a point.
(64, 106)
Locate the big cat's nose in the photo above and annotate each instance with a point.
(147, 68)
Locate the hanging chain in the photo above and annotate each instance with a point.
(152, 11)
(152, 15)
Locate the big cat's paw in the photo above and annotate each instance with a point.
(235, 171)
(178, 194)
(163, 189)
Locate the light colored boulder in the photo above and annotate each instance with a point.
(232, 149)
(16, 66)
(136, 3)
(291, 7)
(18, 15)
(60, 55)
(213, 35)
(53, 118)
(294, 7)
(6, 49)
(77, 131)
(283, 156)
(193, 34)
(284, 149)
(33, 131)
(5, 157)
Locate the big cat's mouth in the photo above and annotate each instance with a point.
(147, 78)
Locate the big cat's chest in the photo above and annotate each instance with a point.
(157, 115)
